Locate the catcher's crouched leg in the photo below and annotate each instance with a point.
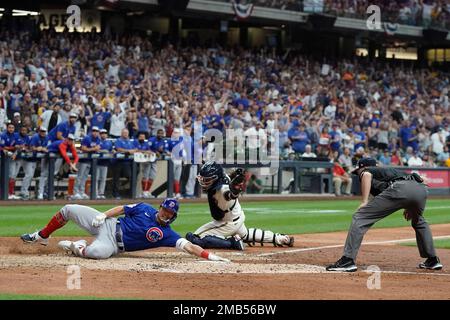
(214, 242)
(265, 236)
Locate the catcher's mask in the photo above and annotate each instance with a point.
(209, 175)
(172, 205)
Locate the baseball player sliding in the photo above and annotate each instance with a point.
(392, 190)
(228, 230)
(141, 228)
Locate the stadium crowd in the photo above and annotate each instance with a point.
(423, 13)
(63, 85)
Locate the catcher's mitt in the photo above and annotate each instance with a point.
(237, 183)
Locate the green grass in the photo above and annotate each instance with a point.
(8, 296)
(292, 217)
(438, 244)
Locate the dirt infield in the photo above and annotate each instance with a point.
(257, 273)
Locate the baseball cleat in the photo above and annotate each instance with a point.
(34, 237)
(78, 247)
(431, 264)
(65, 245)
(344, 264)
(237, 242)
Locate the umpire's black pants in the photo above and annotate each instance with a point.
(120, 169)
(408, 195)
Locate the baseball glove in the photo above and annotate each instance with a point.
(237, 183)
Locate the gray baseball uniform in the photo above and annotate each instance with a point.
(82, 176)
(104, 245)
(102, 173)
(392, 191)
(44, 173)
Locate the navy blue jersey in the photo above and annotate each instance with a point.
(158, 145)
(108, 146)
(8, 139)
(22, 140)
(126, 144)
(144, 146)
(38, 141)
(54, 146)
(90, 142)
(141, 230)
(99, 120)
(65, 128)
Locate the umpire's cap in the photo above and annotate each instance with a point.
(365, 162)
(171, 204)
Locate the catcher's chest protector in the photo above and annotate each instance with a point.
(218, 205)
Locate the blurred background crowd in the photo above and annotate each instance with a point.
(424, 13)
(335, 109)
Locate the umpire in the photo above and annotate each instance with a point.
(391, 190)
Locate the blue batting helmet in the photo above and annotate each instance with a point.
(171, 204)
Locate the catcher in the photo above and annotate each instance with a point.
(141, 228)
(228, 230)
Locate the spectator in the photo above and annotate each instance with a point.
(443, 156)
(122, 167)
(118, 119)
(383, 137)
(143, 122)
(62, 130)
(51, 118)
(308, 152)
(106, 147)
(90, 144)
(438, 141)
(298, 138)
(415, 161)
(428, 161)
(360, 138)
(345, 160)
(396, 158)
(60, 147)
(336, 138)
(372, 135)
(385, 158)
(340, 178)
(254, 185)
(145, 168)
(256, 138)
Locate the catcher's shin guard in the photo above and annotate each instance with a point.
(259, 236)
(265, 236)
(213, 242)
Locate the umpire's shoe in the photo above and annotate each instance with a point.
(34, 237)
(343, 264)
(431, 264)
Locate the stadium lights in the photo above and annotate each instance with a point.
(18, 13)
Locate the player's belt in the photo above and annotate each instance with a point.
(405, 178)
(119, 237)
